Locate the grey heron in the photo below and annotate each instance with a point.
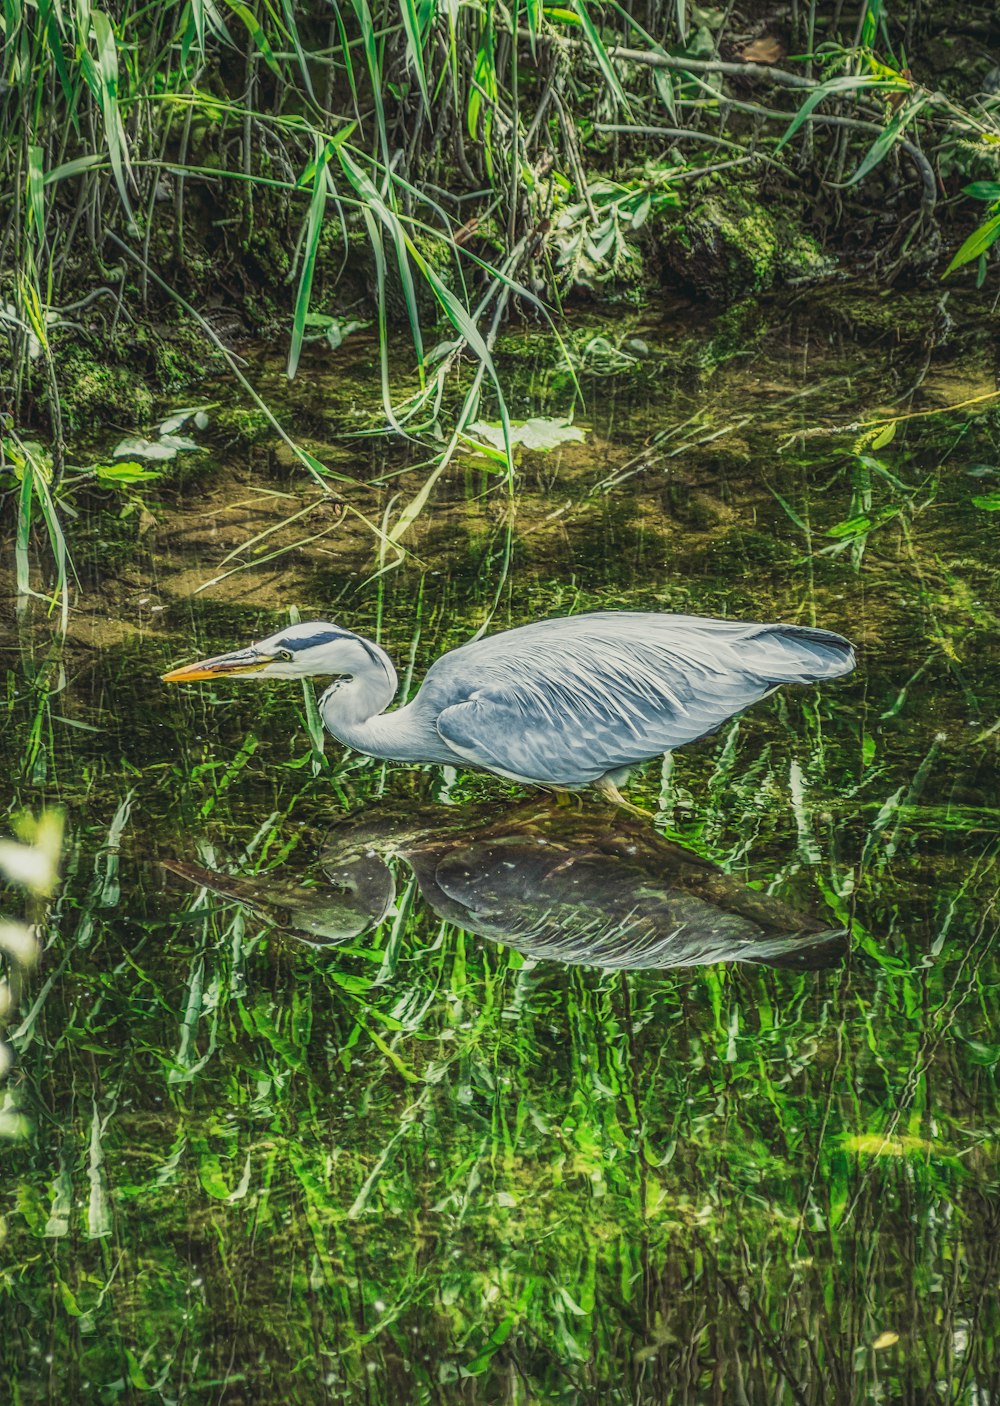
(562, 703)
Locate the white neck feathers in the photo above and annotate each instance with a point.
(365, 689)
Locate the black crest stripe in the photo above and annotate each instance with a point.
(323, 637)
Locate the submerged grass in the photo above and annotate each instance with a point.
(419, 1164)
(421, 1167)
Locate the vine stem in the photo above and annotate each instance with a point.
(650, 59)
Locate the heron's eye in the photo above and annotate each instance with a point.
(285, 654)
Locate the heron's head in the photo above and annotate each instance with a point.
(313, 649)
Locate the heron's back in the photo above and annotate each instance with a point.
(566, 700)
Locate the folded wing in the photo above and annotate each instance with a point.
(565, 701)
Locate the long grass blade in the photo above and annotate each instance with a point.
(36, 191)
(314, 226)
(415, 47)
(600, 53)
(101, 76)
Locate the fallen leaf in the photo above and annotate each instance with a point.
(767, 49)
(539, 435)
(155, 451)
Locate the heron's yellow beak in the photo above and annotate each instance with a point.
(242, 663)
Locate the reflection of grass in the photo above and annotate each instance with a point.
(31, 467)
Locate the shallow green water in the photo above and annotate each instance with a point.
(419, 1164)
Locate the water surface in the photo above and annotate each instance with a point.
(429, 1155)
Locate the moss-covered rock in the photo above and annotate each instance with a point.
(732, 244)
(93, 390)
(115, 382)
(172, 357)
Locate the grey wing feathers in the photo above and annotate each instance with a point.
(565, 701)
(797, 654)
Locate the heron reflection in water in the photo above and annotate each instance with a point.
(561, 703)
(571, 888)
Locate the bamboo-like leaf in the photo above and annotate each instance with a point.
(884, 143)
(977, 243)
(845, 84)
(600, 53)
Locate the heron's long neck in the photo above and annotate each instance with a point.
(352, 707)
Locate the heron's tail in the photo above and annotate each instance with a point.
(796, 654)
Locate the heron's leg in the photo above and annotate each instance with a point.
(607, 788)
(564, 797)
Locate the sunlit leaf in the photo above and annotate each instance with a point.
(539, 434)
(977, 243)
(890, 1145)
(885, 435)
(128, 471)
